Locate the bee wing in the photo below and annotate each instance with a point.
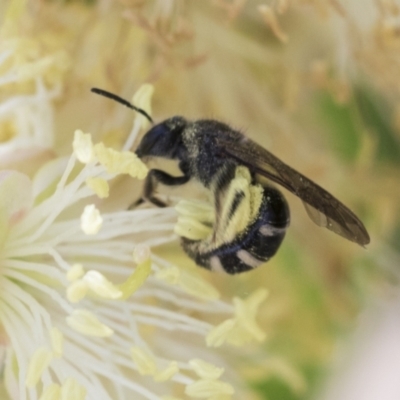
(324, 209)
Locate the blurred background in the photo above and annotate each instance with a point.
(317, 82)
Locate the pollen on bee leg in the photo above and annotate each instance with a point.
(236, 210)
(243, 172)
(39, 361)
(91, 220)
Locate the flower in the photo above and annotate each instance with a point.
(87, 310)
(315, 82)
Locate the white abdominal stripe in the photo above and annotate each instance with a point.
(248, 228)
(270, 230)
(248, 259)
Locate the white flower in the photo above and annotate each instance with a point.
(87, 310)
(27, 118)
(90, 314)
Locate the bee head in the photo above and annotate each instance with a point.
(163, 139)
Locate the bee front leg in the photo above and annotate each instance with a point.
(155, 176)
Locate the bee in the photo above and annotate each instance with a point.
(251, 215)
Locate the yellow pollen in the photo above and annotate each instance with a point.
(51, 392)
(101, 286)
(136, 279)
(117, 162)
(37, 365)
(191, 228)
(71, 389)
(144, 361)
(99, 186)
(75, 272)
(246, 311)
(83, 147)
(91, 220)
(77, 290)
(170, 275)
(205, 388)
(85, 322)
(167, 373)
(205, 370)
(197, 286)
(199, 210)
(243, 328)
(190, 282)
(141, 254)
(218, 335)
(57, 342)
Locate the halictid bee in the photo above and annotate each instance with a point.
(251, 216)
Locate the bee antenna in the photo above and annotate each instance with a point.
(122, 101)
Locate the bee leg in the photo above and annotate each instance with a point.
(136, 203)
(154, 176)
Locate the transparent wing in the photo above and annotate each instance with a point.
(324, 209)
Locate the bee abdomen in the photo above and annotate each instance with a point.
(252, 247)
